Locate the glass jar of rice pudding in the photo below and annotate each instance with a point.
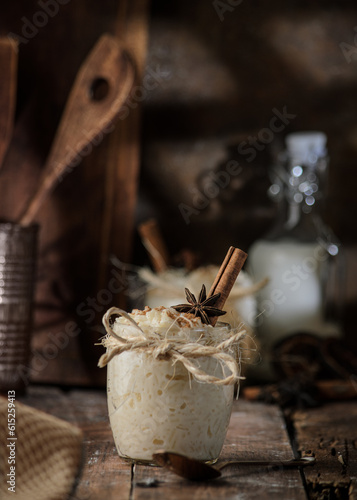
(170, 383)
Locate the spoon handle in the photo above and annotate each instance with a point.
(8, 71)
(87, 114)
(294, 462)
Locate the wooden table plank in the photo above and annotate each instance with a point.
(256, 431)
(103, 474)
(330, 433)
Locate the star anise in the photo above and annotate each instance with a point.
(203, 307)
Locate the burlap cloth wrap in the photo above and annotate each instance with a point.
(48, 454)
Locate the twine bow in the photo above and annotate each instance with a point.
(177, 349)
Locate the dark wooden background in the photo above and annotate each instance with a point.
(211, 79)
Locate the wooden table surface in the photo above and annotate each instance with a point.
(256, 431)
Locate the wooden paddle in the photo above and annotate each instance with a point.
(8, 86)
(98, 93)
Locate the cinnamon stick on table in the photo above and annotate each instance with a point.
(154, 243)
(226, 277)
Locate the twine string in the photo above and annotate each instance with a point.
(176, 350)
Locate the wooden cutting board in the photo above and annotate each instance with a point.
(124, 150)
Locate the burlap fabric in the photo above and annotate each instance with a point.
(47, 454)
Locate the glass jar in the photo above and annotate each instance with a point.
(300, 254)
(156, 403)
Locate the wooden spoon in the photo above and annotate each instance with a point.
(102, 84)
(190, 468)
(8, 85)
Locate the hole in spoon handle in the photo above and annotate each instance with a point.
(99, 89)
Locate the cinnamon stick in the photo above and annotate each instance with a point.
(226, 277)
(154, 243)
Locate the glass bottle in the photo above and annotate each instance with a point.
(299, 254)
